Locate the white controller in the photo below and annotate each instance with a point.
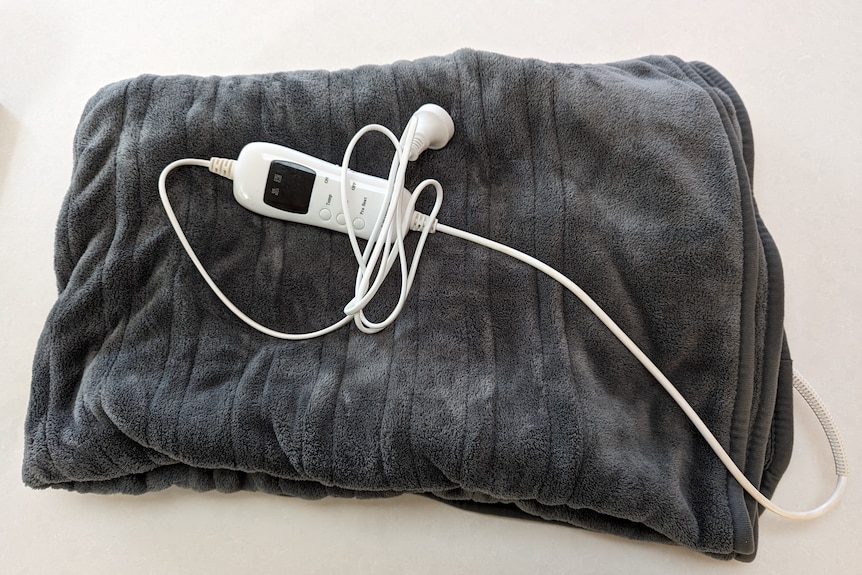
(282, 183)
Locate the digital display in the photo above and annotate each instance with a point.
(289, 186)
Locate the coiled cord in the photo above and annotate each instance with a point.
(830, 428)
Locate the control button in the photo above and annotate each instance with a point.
(358, 223)
(325, 214)
(340, 219)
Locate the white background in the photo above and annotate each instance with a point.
(797, 65)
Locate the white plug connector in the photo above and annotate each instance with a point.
(434, 129)
(222, 166)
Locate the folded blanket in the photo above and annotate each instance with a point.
(495, 390)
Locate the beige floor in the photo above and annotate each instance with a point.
(798, 66)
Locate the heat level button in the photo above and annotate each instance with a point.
(325, 215)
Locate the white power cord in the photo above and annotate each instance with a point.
(391, 229)
(799, 383)
(386, 244)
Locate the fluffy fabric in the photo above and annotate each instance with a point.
(495, 390)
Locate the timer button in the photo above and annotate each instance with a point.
(325, 214)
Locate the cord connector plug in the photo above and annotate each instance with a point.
(419, 221)
(222, 166)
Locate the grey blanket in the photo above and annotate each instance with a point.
(495, 390)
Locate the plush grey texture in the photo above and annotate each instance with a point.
(495, 390)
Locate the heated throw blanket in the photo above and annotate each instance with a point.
(495, 390)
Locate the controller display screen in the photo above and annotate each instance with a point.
(289, 186)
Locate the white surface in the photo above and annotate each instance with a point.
(797, 67)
